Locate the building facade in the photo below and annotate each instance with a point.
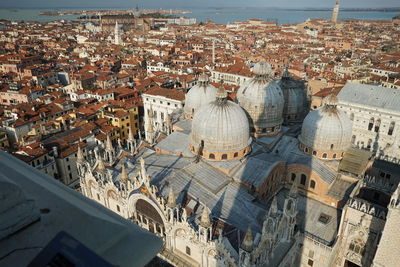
(375, 115)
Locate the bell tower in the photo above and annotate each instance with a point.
(335, 12)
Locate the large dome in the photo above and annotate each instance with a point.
(295, 98)
(326, 131)
(199, 95)
(220, 130)
(262, 99)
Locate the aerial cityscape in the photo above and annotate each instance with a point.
(163, 135)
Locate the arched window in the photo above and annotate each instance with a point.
(235, 155)
(353, 139)
(211, 156)
(293, 177)
(187, 250)
(377, 125)
(371, 124)
(314, 152)
(352, 116)
(391, 128)
(334, 156)
(331, 146)
(306, 149)
(324, 155)
(312, 184)
(303, 179)
(224, 156)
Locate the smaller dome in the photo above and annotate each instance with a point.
(326, 131)
(263, 100)
(199, 95)
(295, 98)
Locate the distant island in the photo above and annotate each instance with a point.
(156, 13)
(397, 16)
(346, 9)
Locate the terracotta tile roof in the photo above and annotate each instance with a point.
(168, 93)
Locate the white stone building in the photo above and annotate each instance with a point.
(159, 104)
(375, 112)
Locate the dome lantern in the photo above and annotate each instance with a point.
(221, 94)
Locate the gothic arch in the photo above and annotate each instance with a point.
(112, 194)
(180, 232)
(92, 183)
(132, 202)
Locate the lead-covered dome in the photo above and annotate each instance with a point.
(295, 98)
(326, 131)
(220, 130)
(199, 95)
(262, 99)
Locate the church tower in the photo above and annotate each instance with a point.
(335, 12)
(117, 35)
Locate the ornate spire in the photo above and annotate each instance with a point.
(108, 143)
(293, 190)
(124, 174)
(101, 166)
(247, 243)
(205, 218)
(171, 198)
(130, 135)
(79, 157)
(273, 210)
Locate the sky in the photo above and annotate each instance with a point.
(176, 4)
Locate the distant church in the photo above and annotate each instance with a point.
(251, 182)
